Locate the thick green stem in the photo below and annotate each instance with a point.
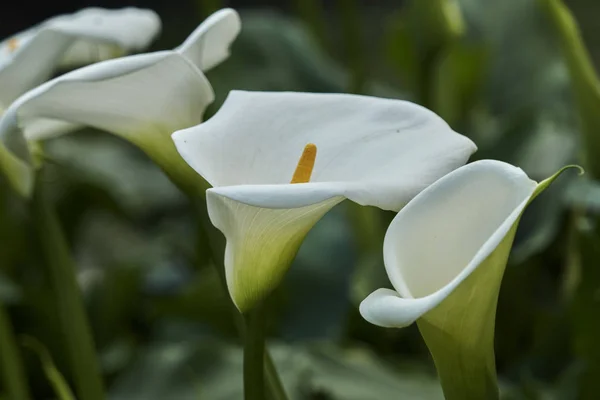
(13, 373)
(77, 337)
(254, 354)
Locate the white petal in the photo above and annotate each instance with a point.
(209, 44)
(283, 196)
(388, 150)
(443, 235)
(136, 97)
(446, 231)
(141, 98)
(81, 37)
(261, 242)
(385, 308)
(103, 34)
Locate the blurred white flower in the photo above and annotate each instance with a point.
(373, 151)
(445, 255)
(142, 98)
(29, 58)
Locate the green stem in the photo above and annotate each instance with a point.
(254, 355)
(72, 319)
(274, 387)
(13, 373)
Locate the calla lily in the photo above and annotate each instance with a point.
(373, 151)
(29, 58)
(445, 254)
(142, 98)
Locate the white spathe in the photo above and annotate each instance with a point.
(445, 254)
(443, 235)
(373, 151)
(142, 98)
(29, 58)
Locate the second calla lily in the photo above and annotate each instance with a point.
(279, 161)
(445, 254)
(29, 58)
(142, 98)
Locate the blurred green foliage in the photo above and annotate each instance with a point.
(500, 72)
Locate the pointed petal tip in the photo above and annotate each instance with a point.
(208, 45)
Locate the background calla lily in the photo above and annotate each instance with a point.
(373, 151)
(29, 58)
(142, 98)
(445, 254)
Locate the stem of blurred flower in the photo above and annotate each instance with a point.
(254, 354)
(72, 318)
(274, 388)
(11, 364)
(311, 11)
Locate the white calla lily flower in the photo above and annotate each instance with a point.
(142, 98)
(29, 58)
(445, 255)
(372, 151)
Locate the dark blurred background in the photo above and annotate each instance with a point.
(161, 321)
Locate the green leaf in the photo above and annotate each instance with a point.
(58, 382)
(77, 336)
(12, 371)
(585, 83)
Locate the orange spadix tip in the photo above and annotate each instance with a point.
(305, 165)
(12, 44)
